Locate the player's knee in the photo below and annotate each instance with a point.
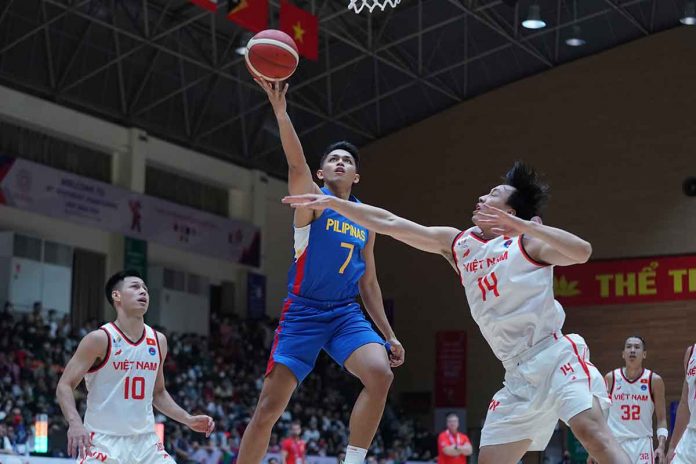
(268, 411)
(378, 378)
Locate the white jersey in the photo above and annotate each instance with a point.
(120, 388)
(632, 406)
(691, 383)
(510, 294)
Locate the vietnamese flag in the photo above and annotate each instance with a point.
(151, 341)
(250, 14)
(302, 26)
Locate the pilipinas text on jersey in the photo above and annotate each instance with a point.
(328, 261)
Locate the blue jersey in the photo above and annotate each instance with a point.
(328, 260)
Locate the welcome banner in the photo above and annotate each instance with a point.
(51, 192)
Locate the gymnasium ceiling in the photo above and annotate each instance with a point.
(170, 67)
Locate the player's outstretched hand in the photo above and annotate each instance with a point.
(397, 353)
(202, 424)
(276, 92)
(78, 440)
(309, 201)
(502, 223)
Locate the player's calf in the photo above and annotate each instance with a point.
(592, 431)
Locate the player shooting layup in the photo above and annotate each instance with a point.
(505, 263)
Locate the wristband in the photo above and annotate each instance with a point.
(662, 432)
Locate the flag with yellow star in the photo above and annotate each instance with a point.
(250, 14)
(303, 27)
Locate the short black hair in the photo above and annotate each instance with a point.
(531, 193)
(116, 279)
(645, 347)
(342, 145)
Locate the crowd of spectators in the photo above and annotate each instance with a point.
(220, 375)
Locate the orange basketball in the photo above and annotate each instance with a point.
(272, 55)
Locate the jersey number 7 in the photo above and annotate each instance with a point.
(350, 247)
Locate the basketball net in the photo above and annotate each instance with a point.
(359, 5)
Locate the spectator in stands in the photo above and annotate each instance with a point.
(453, 446)
(222, 374)
(6, 445)
(293, 449)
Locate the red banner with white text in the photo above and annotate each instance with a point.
(626, 281)
(450, 369)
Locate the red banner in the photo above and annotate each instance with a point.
(450, 369)
(626, 281)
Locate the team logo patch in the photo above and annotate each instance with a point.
(117, 341)
(152, 351)
(507, 243)
(643, 387)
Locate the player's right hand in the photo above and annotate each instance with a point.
(78, 440)
(397, 353)
(276, 92)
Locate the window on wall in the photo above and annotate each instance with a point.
(36, 146)
(185, 191)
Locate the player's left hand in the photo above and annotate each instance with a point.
(202, 424)
(308, 200)
(397, 353)
(660, 457)
(502, 223)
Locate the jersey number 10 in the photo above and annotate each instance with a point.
(134, 388)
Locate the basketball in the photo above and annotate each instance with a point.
(271, 55)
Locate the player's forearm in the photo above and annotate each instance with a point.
(376, 219)
(564, 242)
(291, 142)
(371, 295)
(164, 402)
(467, 450)
(680, 424)
(66, 400)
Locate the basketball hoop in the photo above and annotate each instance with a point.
(359, 5)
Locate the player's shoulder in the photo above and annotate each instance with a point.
(99, 335)
(95, 342)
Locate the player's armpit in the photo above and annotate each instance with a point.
(91, 351)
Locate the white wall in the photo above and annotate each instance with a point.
(252, 197)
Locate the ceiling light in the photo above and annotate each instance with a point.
(534, 20)
(575, 39)
(241, 47)
(689, 17)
